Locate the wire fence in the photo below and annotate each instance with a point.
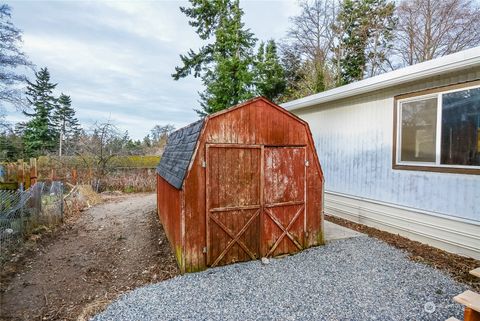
(25, 212)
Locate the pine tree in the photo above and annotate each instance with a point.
(65, 122)
(10, 143)
(147, 142)
(225, 65)
(353, 40)
(365, 30)
(269, 74)
(40, 135)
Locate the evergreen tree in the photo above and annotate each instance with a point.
(147, 142)
(66, 124)
(353, 40)
(225, 65)
(269, 74)
(10, 143)
(365, 29)
(40, 135)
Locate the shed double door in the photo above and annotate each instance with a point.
(255, 202)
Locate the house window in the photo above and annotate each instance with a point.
(461, 128)
(439, 130)
(419, 129)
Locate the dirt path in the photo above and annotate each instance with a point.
(112, 248)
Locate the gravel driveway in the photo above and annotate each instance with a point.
(352, 279)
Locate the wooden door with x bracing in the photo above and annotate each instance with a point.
(233, 187)
(283, 217)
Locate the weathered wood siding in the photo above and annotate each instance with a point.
(169, 213)
(256, 123)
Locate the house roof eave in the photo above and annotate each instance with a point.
(458, 61)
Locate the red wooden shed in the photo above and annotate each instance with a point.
(241, 184)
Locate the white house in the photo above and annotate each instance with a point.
(401, 151)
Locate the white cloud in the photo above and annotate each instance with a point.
(78, 56)
(141, 18)
(115, 58)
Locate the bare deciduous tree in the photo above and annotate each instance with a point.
(11, 59)
(97, 148)
(432, 28)
(160, 132)
(311, 37)
(380, 29)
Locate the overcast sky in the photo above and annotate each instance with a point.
(115, 58)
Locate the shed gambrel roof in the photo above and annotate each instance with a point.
(178, 152)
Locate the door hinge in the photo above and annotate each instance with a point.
(204, 164)
(205, 249)
(307, 163)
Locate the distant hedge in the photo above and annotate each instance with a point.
(116, 162)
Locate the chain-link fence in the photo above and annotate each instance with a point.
(25, 212)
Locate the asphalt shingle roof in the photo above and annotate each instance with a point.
(178, 152)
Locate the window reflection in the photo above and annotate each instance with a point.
(419, 126)
(460, 138)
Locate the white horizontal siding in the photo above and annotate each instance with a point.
(354, 137)
(454, 235)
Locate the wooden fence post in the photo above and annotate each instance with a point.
(33, 171)
(74, 176)
(21, 173)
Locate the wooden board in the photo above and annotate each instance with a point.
(476, 272)
(469, 299)
(283, 217)
(169, 213)
(256, 123)
(233, 204)
(255, 202)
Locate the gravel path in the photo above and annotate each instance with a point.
(353, 279)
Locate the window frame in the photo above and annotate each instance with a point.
(436, 166)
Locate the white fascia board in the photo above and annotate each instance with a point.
(461, 60)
